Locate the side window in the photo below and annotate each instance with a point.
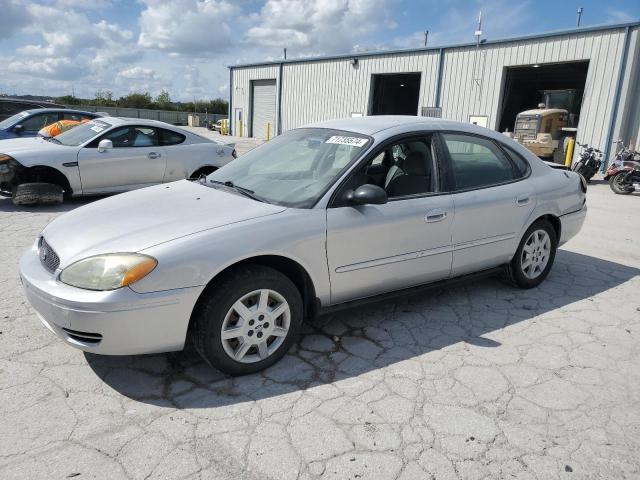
(38, 121)
(125, 137)
(477, 162)
(172, 138)
(402, 169)
(76, 117)
(120, 137)
(145, 137)
(522, 165)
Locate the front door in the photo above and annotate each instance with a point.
(136, 160)
(492, 201)
(373, 249)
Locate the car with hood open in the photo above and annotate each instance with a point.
(105, 155)
(319, 218)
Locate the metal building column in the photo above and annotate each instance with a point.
(436, 101)
(279, 104)
(616, 99)
(230, 112)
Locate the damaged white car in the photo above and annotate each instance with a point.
(106, 155)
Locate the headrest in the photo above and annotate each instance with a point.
(414, 164)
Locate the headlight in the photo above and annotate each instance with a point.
(4, 158)
(108, 272)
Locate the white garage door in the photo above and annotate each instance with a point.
(263, 108)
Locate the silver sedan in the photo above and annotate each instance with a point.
(318, 218)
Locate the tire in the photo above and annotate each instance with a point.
(616, 185)
(38, 193)
(523, 275)
(267, 337)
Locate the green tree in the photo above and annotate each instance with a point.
(104, 99)
(68, 100)
(163, 100)
(136, 100)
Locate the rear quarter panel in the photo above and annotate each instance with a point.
(184, 159)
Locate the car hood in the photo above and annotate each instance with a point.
(137, 220)
(11, 146)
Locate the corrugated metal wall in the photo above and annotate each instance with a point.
(241, 93)
(334, 89)
(472, 80)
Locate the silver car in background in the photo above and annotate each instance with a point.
(316, 218)
(107, 155)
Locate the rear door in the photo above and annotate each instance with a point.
(492, 199)
(136, 160)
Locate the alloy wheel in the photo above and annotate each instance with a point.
(535, 254)
(255, 326)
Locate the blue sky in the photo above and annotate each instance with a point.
(54, 47)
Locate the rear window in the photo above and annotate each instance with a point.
(171, 138)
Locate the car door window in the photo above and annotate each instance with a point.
(128, 137)
(76, 117)
(171, 138)
(403, 169)
(38, 121)
(477, 162)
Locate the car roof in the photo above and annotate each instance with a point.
(52, 110)
(377, 123)
(137, 121)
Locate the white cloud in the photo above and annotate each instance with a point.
(137, 73)
(319, 26)
(191, 27)
(13, 18)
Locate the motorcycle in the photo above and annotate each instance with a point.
(589, 162)
(624, 172)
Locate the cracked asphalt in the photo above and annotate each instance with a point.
(480, 381)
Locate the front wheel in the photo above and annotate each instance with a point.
(535, 255)
(248, 320)
(618, 184)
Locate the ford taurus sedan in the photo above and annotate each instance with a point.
(106, 155)
(318, 218)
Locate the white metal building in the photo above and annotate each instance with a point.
(486, 84)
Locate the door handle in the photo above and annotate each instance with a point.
(154, 155)
(522, 201)
(435, 216)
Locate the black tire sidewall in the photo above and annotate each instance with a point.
(218, 299)
(614, 186)
(518, 276)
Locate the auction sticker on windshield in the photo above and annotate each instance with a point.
(353, 141)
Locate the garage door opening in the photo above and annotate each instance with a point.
(395, 94)
(524, 87)
(263, 108)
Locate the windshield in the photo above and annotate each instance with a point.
(82, 133)
(295, 168)
(8, 122)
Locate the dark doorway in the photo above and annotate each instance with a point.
(395, 94)
(523, 87)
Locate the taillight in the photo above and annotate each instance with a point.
(234, 154)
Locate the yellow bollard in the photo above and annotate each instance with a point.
(268, 130)
(240, 121)
(569, 157)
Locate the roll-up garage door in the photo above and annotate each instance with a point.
(263, 108)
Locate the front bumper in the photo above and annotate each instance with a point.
(117, 322)
(571, 224)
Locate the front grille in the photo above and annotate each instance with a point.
(48, 257)
(84, 337)
(526, 127)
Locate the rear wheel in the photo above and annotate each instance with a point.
(202, 171)
(38, 193)
(535, 255)
(248, 320)
(618, 184)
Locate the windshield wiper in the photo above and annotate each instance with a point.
(244, 191)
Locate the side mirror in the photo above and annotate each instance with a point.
(18, 128)
(105, 145)
(367, 194)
